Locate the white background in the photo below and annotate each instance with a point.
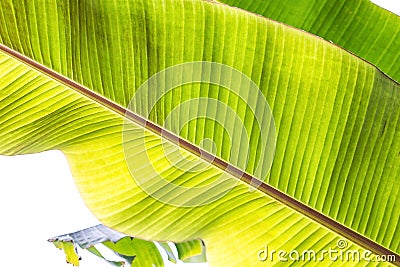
(38, 200)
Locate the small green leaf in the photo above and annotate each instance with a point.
(67, 244)
(168, 250)
(191, 251)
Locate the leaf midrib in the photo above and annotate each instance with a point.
(208, 157)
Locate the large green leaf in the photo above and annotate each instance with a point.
(360, 26)
(336, 117)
